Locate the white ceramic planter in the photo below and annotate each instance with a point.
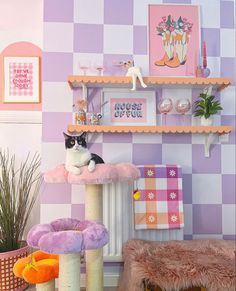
(206, 121)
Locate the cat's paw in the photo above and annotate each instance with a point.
(91, 166)
(75, 171)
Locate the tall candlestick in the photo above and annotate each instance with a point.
(204, 55)
(199, 58)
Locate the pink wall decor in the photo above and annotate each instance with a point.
(19, 49)
(129, 108)
(174, 32)
(21, 79)
(206, 214)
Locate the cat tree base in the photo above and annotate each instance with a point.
(103, 174)
(94, 258)
(47, 286)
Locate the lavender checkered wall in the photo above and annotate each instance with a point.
(117, 30)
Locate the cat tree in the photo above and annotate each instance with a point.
(103, 174)
(68, 237)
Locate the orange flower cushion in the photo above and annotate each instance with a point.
(39, 267)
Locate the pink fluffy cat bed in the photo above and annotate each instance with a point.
(177, 265)
(103, 174)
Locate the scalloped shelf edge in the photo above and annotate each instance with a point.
(148, 129)
(221, 83)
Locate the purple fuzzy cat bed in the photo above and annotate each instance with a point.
(103, 174)
(68, 237)
(178, 265)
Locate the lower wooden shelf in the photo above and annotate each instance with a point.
(210, 131)
(148, 129)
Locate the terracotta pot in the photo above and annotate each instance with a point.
(8, 281)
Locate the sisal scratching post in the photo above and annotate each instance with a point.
(69, 272)
(94, 258)
(48, 286)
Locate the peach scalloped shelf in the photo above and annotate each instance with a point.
(149, 129)
(105, 81)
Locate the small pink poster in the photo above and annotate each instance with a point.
(21, 80)
(174, 39)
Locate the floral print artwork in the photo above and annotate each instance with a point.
(175, 37)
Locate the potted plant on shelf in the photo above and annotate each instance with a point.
(19, 187)
(206, 107)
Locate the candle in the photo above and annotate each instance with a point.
(199, 58)
(204, 55)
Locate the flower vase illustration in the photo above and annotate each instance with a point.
(175, 37)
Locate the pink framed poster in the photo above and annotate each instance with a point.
(129, 108)
(21, 80)
(174, 39)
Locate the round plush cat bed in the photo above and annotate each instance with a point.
(93, 181)
(103, 174)
(68, 237)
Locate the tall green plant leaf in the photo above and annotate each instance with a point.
(18, 191)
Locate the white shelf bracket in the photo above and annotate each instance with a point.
(209, 139)
(224, 137)
(84, 91)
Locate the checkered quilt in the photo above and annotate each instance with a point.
(160, 205)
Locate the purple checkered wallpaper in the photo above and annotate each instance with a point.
(110, 30)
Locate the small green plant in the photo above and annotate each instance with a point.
(206, 105)
(19, 186)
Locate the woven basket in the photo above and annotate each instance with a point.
(7, 279)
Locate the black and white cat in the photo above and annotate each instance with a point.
(78, 155)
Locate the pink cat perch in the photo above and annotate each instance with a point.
(104, 174)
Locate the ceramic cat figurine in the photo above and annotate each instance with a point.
(135, 73)
(78, 155)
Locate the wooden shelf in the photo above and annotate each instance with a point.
(149, 129)
(151, 81)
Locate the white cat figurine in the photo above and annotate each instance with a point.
(135, 73)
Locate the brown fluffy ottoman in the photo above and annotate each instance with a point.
(178, 265)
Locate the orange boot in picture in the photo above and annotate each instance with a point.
(174, 63)
(162, 61)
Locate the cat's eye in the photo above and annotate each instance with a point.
(72, 142)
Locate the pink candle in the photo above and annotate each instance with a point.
(204, 55)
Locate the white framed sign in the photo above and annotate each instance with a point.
(124, 107)
(21, 80)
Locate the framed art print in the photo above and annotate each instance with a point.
(174, 39)
(21, 80)
(125, 107)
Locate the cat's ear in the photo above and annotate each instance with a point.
(66, 136)
(83, 135)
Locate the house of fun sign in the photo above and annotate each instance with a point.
(128, 110)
